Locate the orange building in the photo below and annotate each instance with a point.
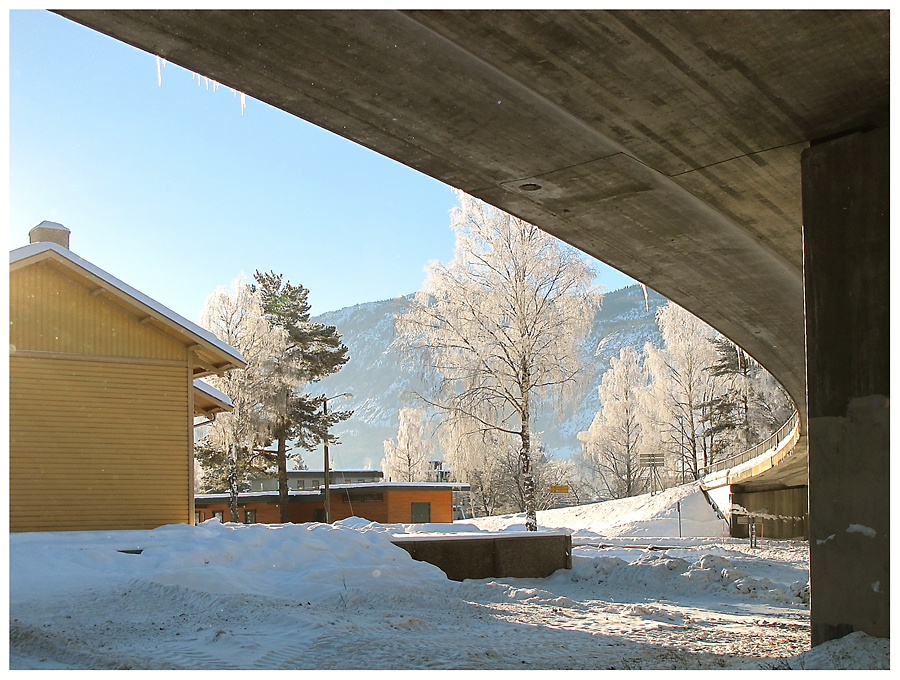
(382, 502)
(103, 390)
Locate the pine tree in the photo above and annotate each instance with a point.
(311, 351)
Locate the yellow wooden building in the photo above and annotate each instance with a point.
(103, 390)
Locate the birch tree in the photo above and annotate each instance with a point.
(234, 446)
(502, 325)
(474, 455)
(407, 459)
(620, 432)
(684, 387)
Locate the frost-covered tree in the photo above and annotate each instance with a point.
(754, 404)
(502, 325)
(310, 352)
(547, 470)
(234, 445)
(407, 459)
(474, 455)
(620, 432)
(684, 388)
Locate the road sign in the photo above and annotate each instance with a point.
(652, 460)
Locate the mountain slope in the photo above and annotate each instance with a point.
(381, 381)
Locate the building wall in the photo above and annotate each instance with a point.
(100, 406)
(52, 310)
(394, 508)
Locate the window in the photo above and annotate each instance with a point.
(363, 498)
(421, 513)
(198, 517)
(249, 516)
(219, 515)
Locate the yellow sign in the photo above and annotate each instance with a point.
(559, 489)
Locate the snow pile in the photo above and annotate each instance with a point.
(303, 562)
(665, 572)
(679, 511)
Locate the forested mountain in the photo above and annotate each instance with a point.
(381, 379)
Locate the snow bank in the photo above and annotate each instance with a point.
(309, 562)
(680, 511)
(665, 572)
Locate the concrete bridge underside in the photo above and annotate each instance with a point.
(705, 154)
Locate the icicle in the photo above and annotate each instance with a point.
(243, 102)
(646, 297)
(158, 72)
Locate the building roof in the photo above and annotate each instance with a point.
(369, 487)
(214, 355)
(208, 400)
(320, 471)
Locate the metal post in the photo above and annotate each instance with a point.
(325, 448)
(327, 470)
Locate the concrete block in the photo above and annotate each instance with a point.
(479, 556)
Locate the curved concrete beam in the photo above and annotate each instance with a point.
(664, 143)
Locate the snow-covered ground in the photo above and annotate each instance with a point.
(314, 596)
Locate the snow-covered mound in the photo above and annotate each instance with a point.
(680, 511)
(304, 562)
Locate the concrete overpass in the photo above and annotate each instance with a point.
(735, 161)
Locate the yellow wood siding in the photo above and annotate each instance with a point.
(98, 445)
(52, 310)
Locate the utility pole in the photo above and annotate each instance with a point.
(327, 463)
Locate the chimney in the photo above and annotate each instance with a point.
(50, 231)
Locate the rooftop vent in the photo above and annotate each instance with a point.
(50, 231)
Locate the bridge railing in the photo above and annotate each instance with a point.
(751, 453)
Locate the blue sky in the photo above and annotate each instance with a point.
(175, 190)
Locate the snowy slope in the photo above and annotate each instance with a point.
(314, 596)
(682, 510)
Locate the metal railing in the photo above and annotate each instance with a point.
(751, 453)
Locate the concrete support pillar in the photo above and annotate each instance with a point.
(846, 243)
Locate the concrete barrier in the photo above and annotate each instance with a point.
(521, 554)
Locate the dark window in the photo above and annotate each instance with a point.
(421, 513)
(197, 517)
(219, 515)
(319, 515)
(249, 516)
(363, 498)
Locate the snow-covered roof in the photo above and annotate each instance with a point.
(322, 472)
(46, 247)
(212, 392)
(209, 401)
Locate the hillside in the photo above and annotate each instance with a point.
(381, 381)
